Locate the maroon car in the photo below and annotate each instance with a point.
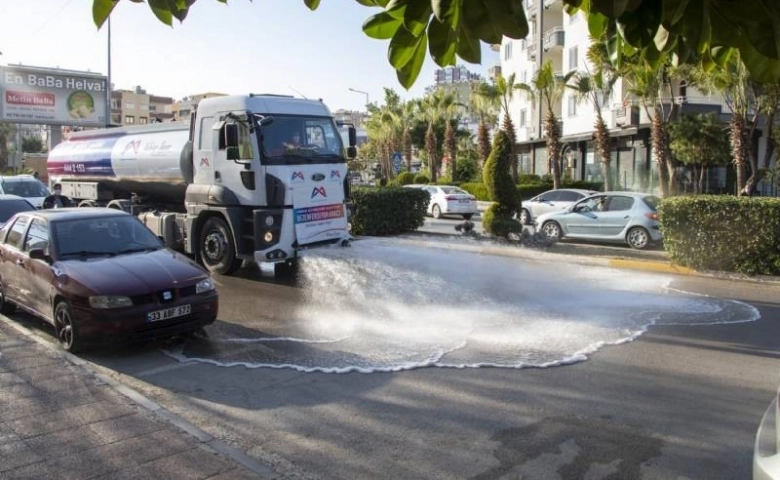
(99, 275)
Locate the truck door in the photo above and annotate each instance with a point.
(237, 174)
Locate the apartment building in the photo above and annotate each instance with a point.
(564, 40)
(182, 109)
(136, 107)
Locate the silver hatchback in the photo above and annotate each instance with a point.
(551, 201)
(625, 217)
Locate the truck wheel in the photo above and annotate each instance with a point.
(217, 250)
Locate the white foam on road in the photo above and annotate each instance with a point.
(380, 306)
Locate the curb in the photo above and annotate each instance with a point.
(174, 420)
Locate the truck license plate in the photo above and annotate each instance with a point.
(167, 313)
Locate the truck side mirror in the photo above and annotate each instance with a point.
(351, 152)
(232, 153)
(352, 137)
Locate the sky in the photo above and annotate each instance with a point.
(264, 46)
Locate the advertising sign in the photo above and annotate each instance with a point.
(52, 96)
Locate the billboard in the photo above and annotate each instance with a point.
(52, 97)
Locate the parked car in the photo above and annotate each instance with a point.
(449, 200)
(99, 275)
(628, 217)
(550, 201)
(766, 452)
(10, 205)
(26, 186)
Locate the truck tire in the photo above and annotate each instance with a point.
(217, 250)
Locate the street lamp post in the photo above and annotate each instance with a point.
(364, 93)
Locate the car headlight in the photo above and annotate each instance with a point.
(205, 285)
(110, 301)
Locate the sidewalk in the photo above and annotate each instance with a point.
(60, 419)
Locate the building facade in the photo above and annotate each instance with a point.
(136, 107)
(563, 40)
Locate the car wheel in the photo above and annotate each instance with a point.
(525, 217)
(552, 230)
(638, 238)
(217, 250)
(6, 307)
(436, 210)
(66, 328)
(467, 216)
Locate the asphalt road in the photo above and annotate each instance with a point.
(680, 402)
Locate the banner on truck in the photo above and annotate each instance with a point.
(52, 96)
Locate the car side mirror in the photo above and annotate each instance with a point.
(39, 254)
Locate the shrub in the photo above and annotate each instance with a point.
(726, 233)
(405, 178)
(524, 178)
(388, 211)
(421, 178)
(477, 189)
(501, 190)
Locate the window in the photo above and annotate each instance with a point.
(16, 234)
(522, 117)
(37, 236)
(144, 106)
(620, 204)
(245, 141)
(573, 58)
(572, 106)
(524, 76)
(508, 51)
(566, 196)
(129, 119)
(129, 104)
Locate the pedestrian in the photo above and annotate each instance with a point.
(56, 199)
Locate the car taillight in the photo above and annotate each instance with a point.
(652, 216)
(450, 198)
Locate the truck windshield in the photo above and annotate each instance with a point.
(291, 140)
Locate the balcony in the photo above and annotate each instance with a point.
(553, 39)
(552, 3)
(530, 46)
(625, 116)
(530, 8)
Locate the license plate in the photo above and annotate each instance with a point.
(167, 313)
(463, 200)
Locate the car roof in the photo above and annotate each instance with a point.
(8, 196)
(75, 213)
(17, 178)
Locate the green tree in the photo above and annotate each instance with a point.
(505, 88)
(691, 30)
(484, 102)
(498, 219)
(546, 89)
(432, 109)
(33, 145)
(7, 131)
(698, 141)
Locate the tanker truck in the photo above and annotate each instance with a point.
(230, 186)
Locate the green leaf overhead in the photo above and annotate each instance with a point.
(162, 10)
(408, 74)
(402, 48)
(312, 4)
(416, 17)
(477, 19)
(381, 26)
(101, 9)
(509, 17)
(468, 47)
(442, 42)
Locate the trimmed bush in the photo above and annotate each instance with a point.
(388, 211)
(420, 178)
(725, 233)
(501, 190)
(477, 189)
(405, 178)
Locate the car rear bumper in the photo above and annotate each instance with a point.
(766, 457)
(110, 326)
(460, 208)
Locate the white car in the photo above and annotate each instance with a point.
(550, 201)
(25, 186)
(449, 200)
(766, 453)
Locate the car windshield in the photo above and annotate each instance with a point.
(292, 140)
(118, 235)
(8, 208)
(26, 188)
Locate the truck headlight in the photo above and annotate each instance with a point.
(268, 237)
(205, 285)
(110, 301)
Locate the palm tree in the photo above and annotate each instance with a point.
(484, 101)
(7, 130)
(547, 88)
(505, 90)
(597, 88)
(431, 110)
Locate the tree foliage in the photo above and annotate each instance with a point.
(704, 32)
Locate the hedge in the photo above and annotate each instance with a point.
(388, 210)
